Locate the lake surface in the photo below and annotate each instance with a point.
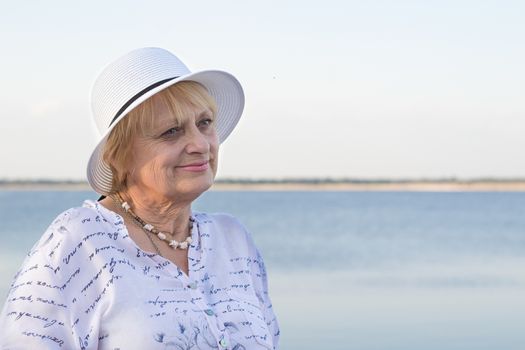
(358, 270)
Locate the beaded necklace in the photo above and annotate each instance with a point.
(150, 229)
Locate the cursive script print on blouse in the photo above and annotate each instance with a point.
(85, 284)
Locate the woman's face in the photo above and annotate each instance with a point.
(175, 161)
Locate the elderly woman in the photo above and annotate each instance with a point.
(139, 269)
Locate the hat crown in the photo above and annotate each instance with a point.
(129, 75)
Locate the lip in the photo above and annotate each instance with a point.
(196, 167)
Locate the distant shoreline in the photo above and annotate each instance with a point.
(312, 185)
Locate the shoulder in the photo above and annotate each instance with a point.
(225, 223)
(81, 219)
(71, 230)
(222, 219)
(61, 227)
(68, 244)
(226, 228)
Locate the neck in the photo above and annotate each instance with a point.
(165, 215)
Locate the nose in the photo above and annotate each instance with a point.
(197, 142)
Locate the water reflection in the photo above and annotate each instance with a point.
(429, 308)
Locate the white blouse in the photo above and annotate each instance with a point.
(87, 285)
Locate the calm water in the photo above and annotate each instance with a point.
(359, 270)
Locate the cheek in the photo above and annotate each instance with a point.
(154, 159)
(166, 161)
(157, 170)
(214, 164)
(214, 142)
(214, 152)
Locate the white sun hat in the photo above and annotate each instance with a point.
(138, 75)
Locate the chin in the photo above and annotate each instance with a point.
(204, 186)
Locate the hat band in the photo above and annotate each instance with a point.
(134, 98)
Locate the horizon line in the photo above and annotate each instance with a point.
(301, 180)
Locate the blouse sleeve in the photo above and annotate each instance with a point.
(35, 315)
(37, 312)
(260, 281)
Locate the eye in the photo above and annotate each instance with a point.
(171, 132)
(205, 122)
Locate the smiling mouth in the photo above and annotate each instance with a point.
(196, 167)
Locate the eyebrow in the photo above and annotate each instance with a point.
(207, 112)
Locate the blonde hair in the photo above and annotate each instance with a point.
(178, 98)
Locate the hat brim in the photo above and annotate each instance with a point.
(222, 86)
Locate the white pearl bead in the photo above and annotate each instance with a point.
(161, 235)
(183, 245)
(173, 244)
(148, 227)
(189, 240)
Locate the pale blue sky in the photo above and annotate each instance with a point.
(367, 89)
